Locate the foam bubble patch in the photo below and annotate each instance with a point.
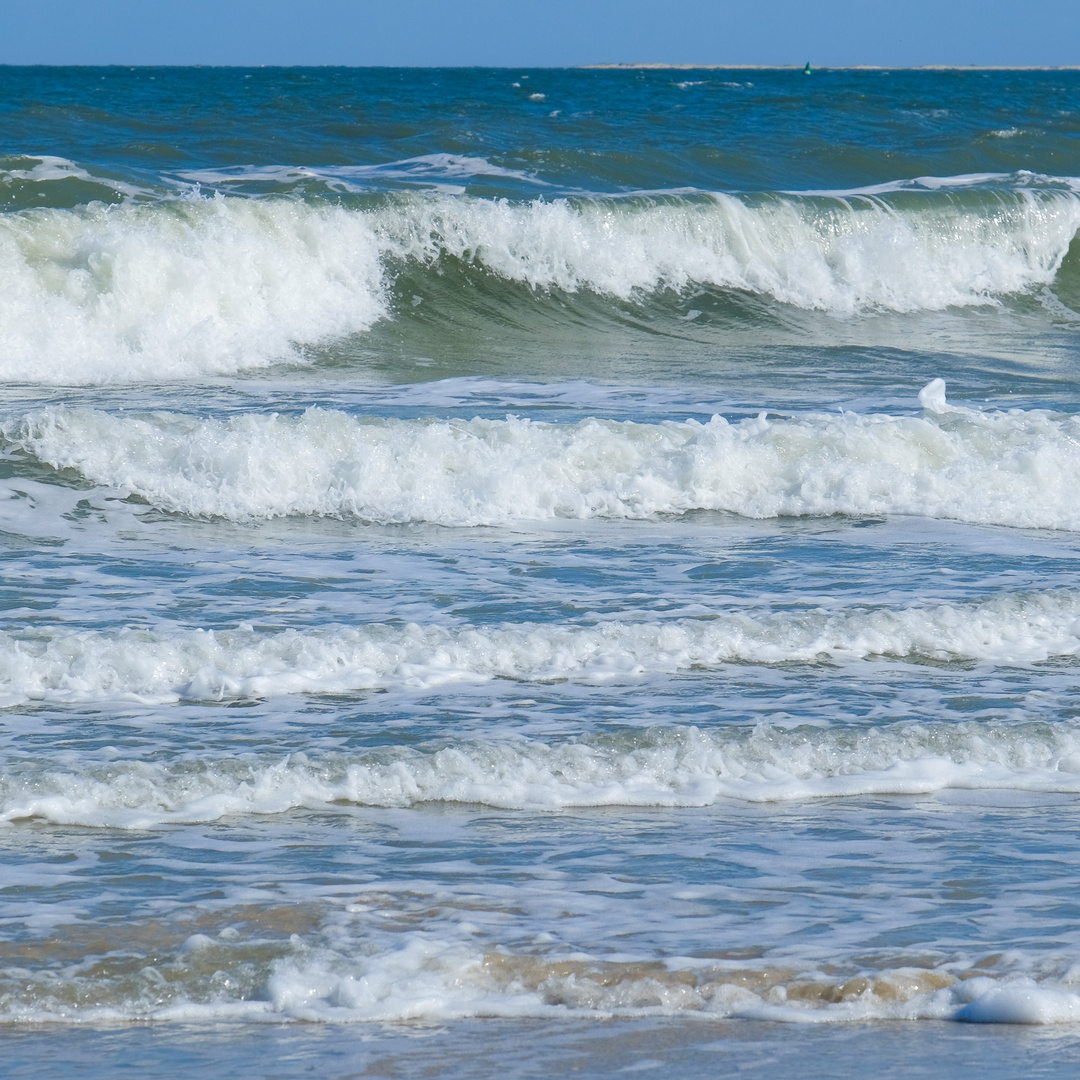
(68, 665)
(442, 976)
(136, 293)
(841, 254)
(665, 767)
(1016, 468)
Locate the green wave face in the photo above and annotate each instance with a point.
(182, 287)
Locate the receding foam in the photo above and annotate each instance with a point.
(204, 665)
(673, 766)
(440, 975)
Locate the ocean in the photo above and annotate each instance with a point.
(511, 573)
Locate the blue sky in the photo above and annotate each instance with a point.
(553, 33)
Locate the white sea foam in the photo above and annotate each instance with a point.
(434, 980)
(182, 288)
(45, 168)
(441, 976)
(147, 292)
(1016, 468)
(1021, 1001)
(837, 254)
(1021, 179)
(201, 665)
(670, 766)
(426, 170)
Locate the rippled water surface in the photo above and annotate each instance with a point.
(576, 564)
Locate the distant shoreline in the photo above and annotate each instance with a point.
(824, 67)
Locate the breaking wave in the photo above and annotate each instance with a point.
(669, 766)
(203, 665)
(435, 977)
(1016, 468)
(186, 287)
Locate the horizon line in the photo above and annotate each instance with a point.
(612, 66)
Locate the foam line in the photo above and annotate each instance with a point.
(1016, 468)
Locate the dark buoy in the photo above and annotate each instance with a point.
(806, 70)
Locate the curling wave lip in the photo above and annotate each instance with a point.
(191, 286)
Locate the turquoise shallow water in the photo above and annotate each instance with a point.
(580, 564)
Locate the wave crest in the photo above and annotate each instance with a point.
(199, 665)
(178, 288)
(137, 293)
(900, 251)
(1016, 468)
(670, 766)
